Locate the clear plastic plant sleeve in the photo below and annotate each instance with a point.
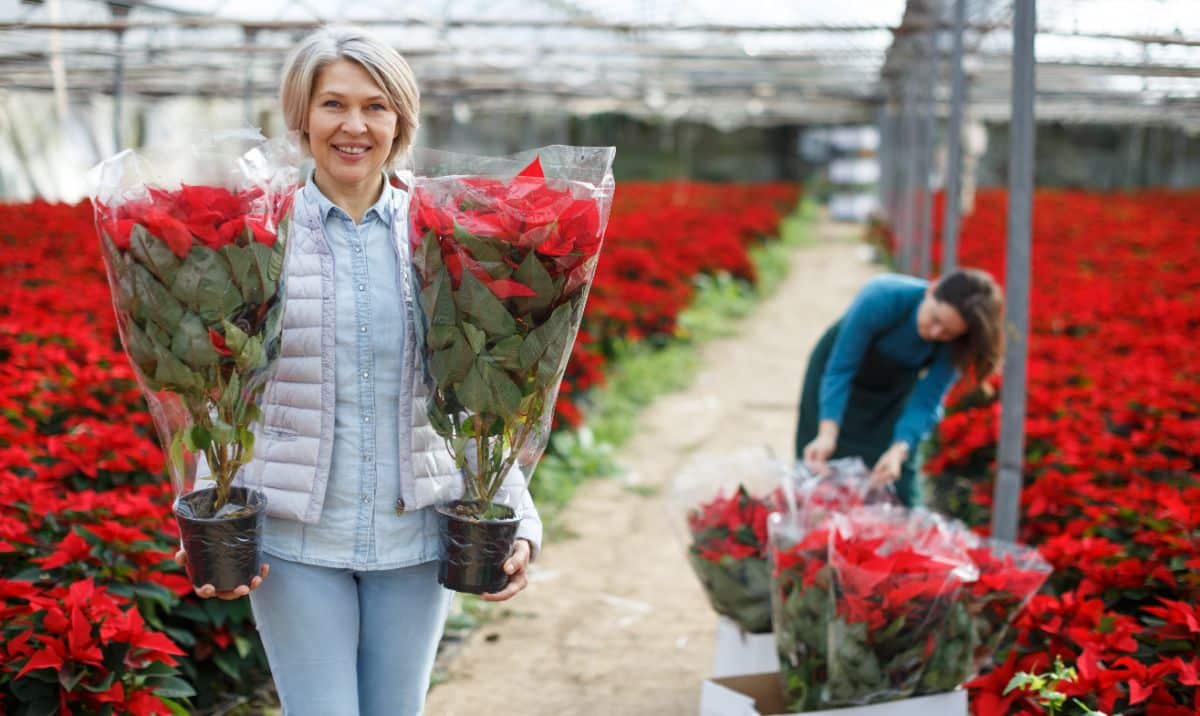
(504, 251)
(719, 506)
(194, 240)
(859, 598)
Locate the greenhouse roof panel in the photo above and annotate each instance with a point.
(725, 63)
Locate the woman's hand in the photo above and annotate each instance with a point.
(818, 452)
(887, 469)
(514, 567)
(208, 591)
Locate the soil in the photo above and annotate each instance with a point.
(614, 622)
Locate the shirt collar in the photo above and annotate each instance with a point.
(382, 209)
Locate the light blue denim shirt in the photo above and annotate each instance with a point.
(359, 527)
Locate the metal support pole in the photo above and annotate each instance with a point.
(1007, 494)
(924, 258)
(954, 164)
(248, 82)
(908, 209)
(881, 156)
(120, 11)
(118, 89)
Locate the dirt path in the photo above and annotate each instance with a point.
(615, 624)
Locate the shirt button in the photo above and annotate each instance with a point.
(358, 249)
(366, 374)
(362, 287)
(362, 329)
(366, 499)
(366, 418)
(400, 505)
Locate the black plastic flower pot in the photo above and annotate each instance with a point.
(474, 550)
(222, 551)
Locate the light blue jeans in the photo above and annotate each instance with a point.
(345, 643)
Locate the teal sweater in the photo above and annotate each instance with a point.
(884, 314)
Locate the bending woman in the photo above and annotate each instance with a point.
(876, 379)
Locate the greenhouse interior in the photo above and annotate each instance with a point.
(756, 358)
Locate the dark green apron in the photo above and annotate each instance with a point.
(877, 397)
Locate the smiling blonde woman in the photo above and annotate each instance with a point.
(352, 611)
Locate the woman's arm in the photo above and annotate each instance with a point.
(924, 405)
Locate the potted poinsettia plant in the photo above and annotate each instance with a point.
(196, 274)
(505, 252)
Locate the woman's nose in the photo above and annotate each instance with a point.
(354, 124)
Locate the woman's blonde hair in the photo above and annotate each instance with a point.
(385, 65)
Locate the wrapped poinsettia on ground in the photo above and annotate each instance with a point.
(722, 503)
(878, 602)
(859, 597)
(504, 251)
(1009, 575)
(194, 245)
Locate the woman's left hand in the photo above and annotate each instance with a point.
(887, 469)
(515, 567)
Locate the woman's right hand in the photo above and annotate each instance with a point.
(818, 452)
(208, 591)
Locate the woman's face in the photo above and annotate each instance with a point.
(351, 126)
(938, 320)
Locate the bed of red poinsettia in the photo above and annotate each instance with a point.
(93, 612)
(1112, 494)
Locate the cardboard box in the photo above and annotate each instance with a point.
(737, 653)
(761, 695)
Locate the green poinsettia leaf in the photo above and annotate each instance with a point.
(232, 394)
(273, 326)
(441, 336)
(198, 438)
(205, 284)
(507, 394)
(245, 272)
(508, 353)
(437, 300)
(192, 345)
(488, 391)
(153, 302)
(265, 265)
(235, 338)
(546, 346)
(475, 300)
(124, 295)
(532, 274)
(449, 365)
(172, 374)
(152, 253)
(476, 338)
(427, 255)
(141, 348)
(439, 420)
(222, 432)
(275, 264)
(252, 356)
(481, 248)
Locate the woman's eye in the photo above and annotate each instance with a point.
(377, 107)
(331, 103)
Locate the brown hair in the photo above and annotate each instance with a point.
(978, 299)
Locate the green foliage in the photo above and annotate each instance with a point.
(1044, 689)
